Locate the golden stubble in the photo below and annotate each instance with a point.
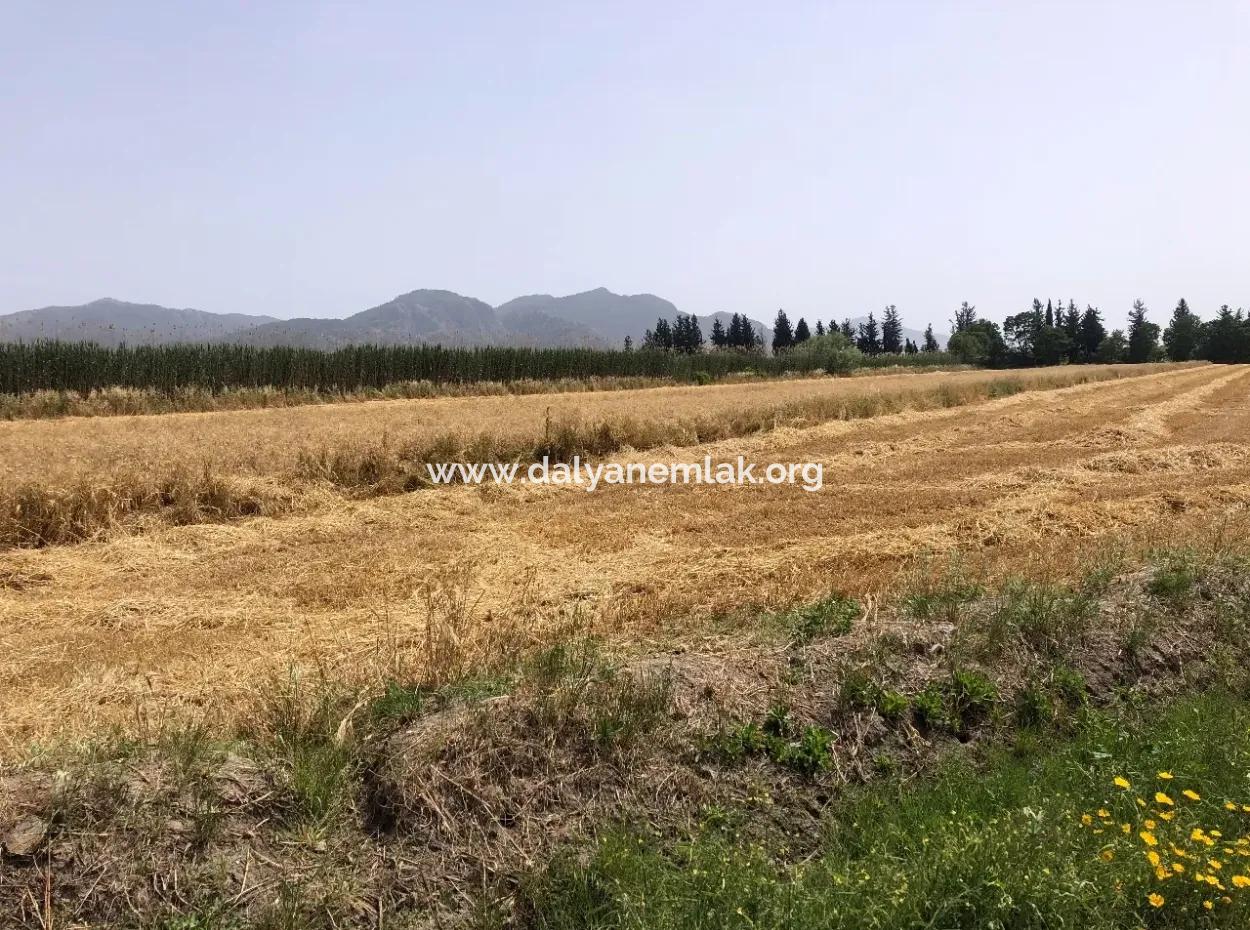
(193, 621)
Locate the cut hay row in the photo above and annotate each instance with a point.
(36, 513)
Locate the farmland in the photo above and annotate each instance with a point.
(149, 623)
(157, 618)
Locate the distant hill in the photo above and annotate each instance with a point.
(425, 316)
(595, 319)
(609, 316)
(416, 317)
(111, 322)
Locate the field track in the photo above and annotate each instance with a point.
(134, 628)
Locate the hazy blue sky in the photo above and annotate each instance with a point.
(317, 159)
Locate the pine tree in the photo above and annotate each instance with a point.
(891, 331)
(1143, 336)
(820, 328)
(629, 344)
(1227, 337)
(801, 332)
(1092, 333)
(910, 347)
(750, 339)
(848, 330)
(661, 338)
(720, 339)
(1050, 314)
(868, 340)
(783, 335)
(1183, 333)
(1072, 331)
(930, 341)
(965, 316)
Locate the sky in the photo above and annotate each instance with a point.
(315, 159)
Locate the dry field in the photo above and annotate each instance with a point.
(130, 629)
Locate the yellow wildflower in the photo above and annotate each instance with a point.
(1192, 795)
(1156, 899)
(1241, 881)
(1153, 858)
(1122, 782)
(1166, 776)
(1148, 838)
(1161, 798)
(1208, 905)
(1107, 855)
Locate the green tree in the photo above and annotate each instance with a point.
(868, 340)
(965, 316)
(1113, 348)
(801, 332)
(1092, 333)
(1143, 336)
(891, 331)
(930, 341)
(720, 339)
(980, 343)
(1183, 334)
(783, 335)
(1226, 338)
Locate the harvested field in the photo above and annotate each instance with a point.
(269, 441)
(210, 468)
(176, 621)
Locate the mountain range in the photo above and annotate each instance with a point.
(594, 319)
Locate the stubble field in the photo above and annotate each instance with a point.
(150, 622)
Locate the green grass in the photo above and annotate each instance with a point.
(830, 616)
(999, 844)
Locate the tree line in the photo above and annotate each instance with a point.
(1054, 334)
(1044, 334)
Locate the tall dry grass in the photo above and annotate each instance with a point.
(128, 402)
(36, 513)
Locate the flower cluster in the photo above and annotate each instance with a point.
(1187, 861)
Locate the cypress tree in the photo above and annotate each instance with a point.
(891, 331)
(719, 338)
(1092, 333)
(783, 335)
(1183, 334)
(1143, 336)
(868, 340)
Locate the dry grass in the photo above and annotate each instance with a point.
(95, 474)
(184, 621)
(125, 402)
(118, 402)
